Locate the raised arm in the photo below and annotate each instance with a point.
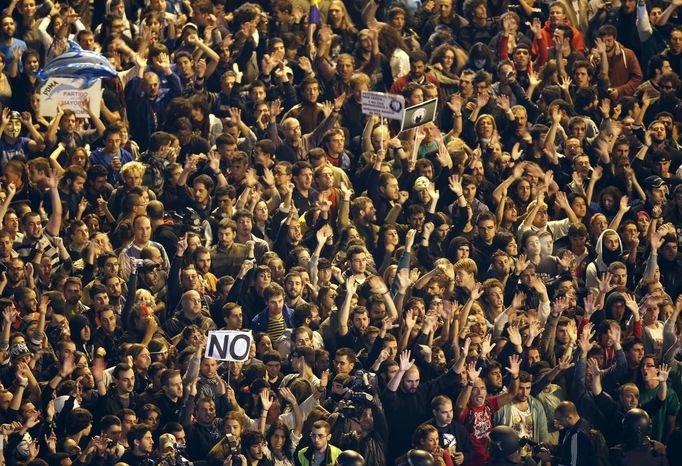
(405, 364)
(344, 312)
(54, 224)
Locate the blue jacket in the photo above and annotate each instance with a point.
(260, 322)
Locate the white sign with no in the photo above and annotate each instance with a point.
(228, 345)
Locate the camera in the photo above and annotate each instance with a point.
(186, 220)
(538, 448)
(232, 446)
(362, 381)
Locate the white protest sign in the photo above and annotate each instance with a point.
(419, 114)
(68, 92)
(228, 345)
(391, 106)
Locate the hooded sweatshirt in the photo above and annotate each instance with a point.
(604, 259)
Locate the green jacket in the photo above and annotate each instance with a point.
(305, 456)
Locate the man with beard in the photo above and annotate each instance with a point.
(206, 430)
(446, 17)
(108, 333)
(10, 46)
(73, 292)
(228, 255)
(384, 189)
(309, 112)
(407, 401)
(364, 215)
(625, 73)
(12, 144)
(120, 395)
(201, 258)
(525, 414)
(293, 285)
(418, 74)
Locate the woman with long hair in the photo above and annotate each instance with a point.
(282, 443)
(395, 61)
(445, 68)
(341, 24)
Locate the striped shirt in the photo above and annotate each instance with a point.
(26, 249)
(276, 327)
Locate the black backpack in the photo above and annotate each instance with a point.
(599, 447)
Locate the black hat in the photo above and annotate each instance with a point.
(653, 181)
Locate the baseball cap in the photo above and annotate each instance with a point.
(653, 181)
(18, 350)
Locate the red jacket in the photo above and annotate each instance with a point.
(547, 40)
(399, 84)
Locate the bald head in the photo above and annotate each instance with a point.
(411, 379)
(155, 210)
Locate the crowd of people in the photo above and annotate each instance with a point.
(498, 286)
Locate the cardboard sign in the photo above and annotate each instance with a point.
(228, 345)
(68, 92)
(419, 114)
(389, 106)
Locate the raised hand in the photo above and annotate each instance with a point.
(288, 395)
(351, 285)
(585, 341)
(266, 399)
(455, 103)
(514, 365)
(663, 373)
(514, 335)
(487, 346)
(405, 362)
(559, 306)
(604, 283)
(518, 300)
(614, 333)
(521, 264)
(472, 372)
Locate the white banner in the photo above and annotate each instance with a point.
(228, 345)
(68, 92)
(391, 106)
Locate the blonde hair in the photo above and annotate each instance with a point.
(468, 265)
(346, 23)
(134, 168)
(145, 295)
